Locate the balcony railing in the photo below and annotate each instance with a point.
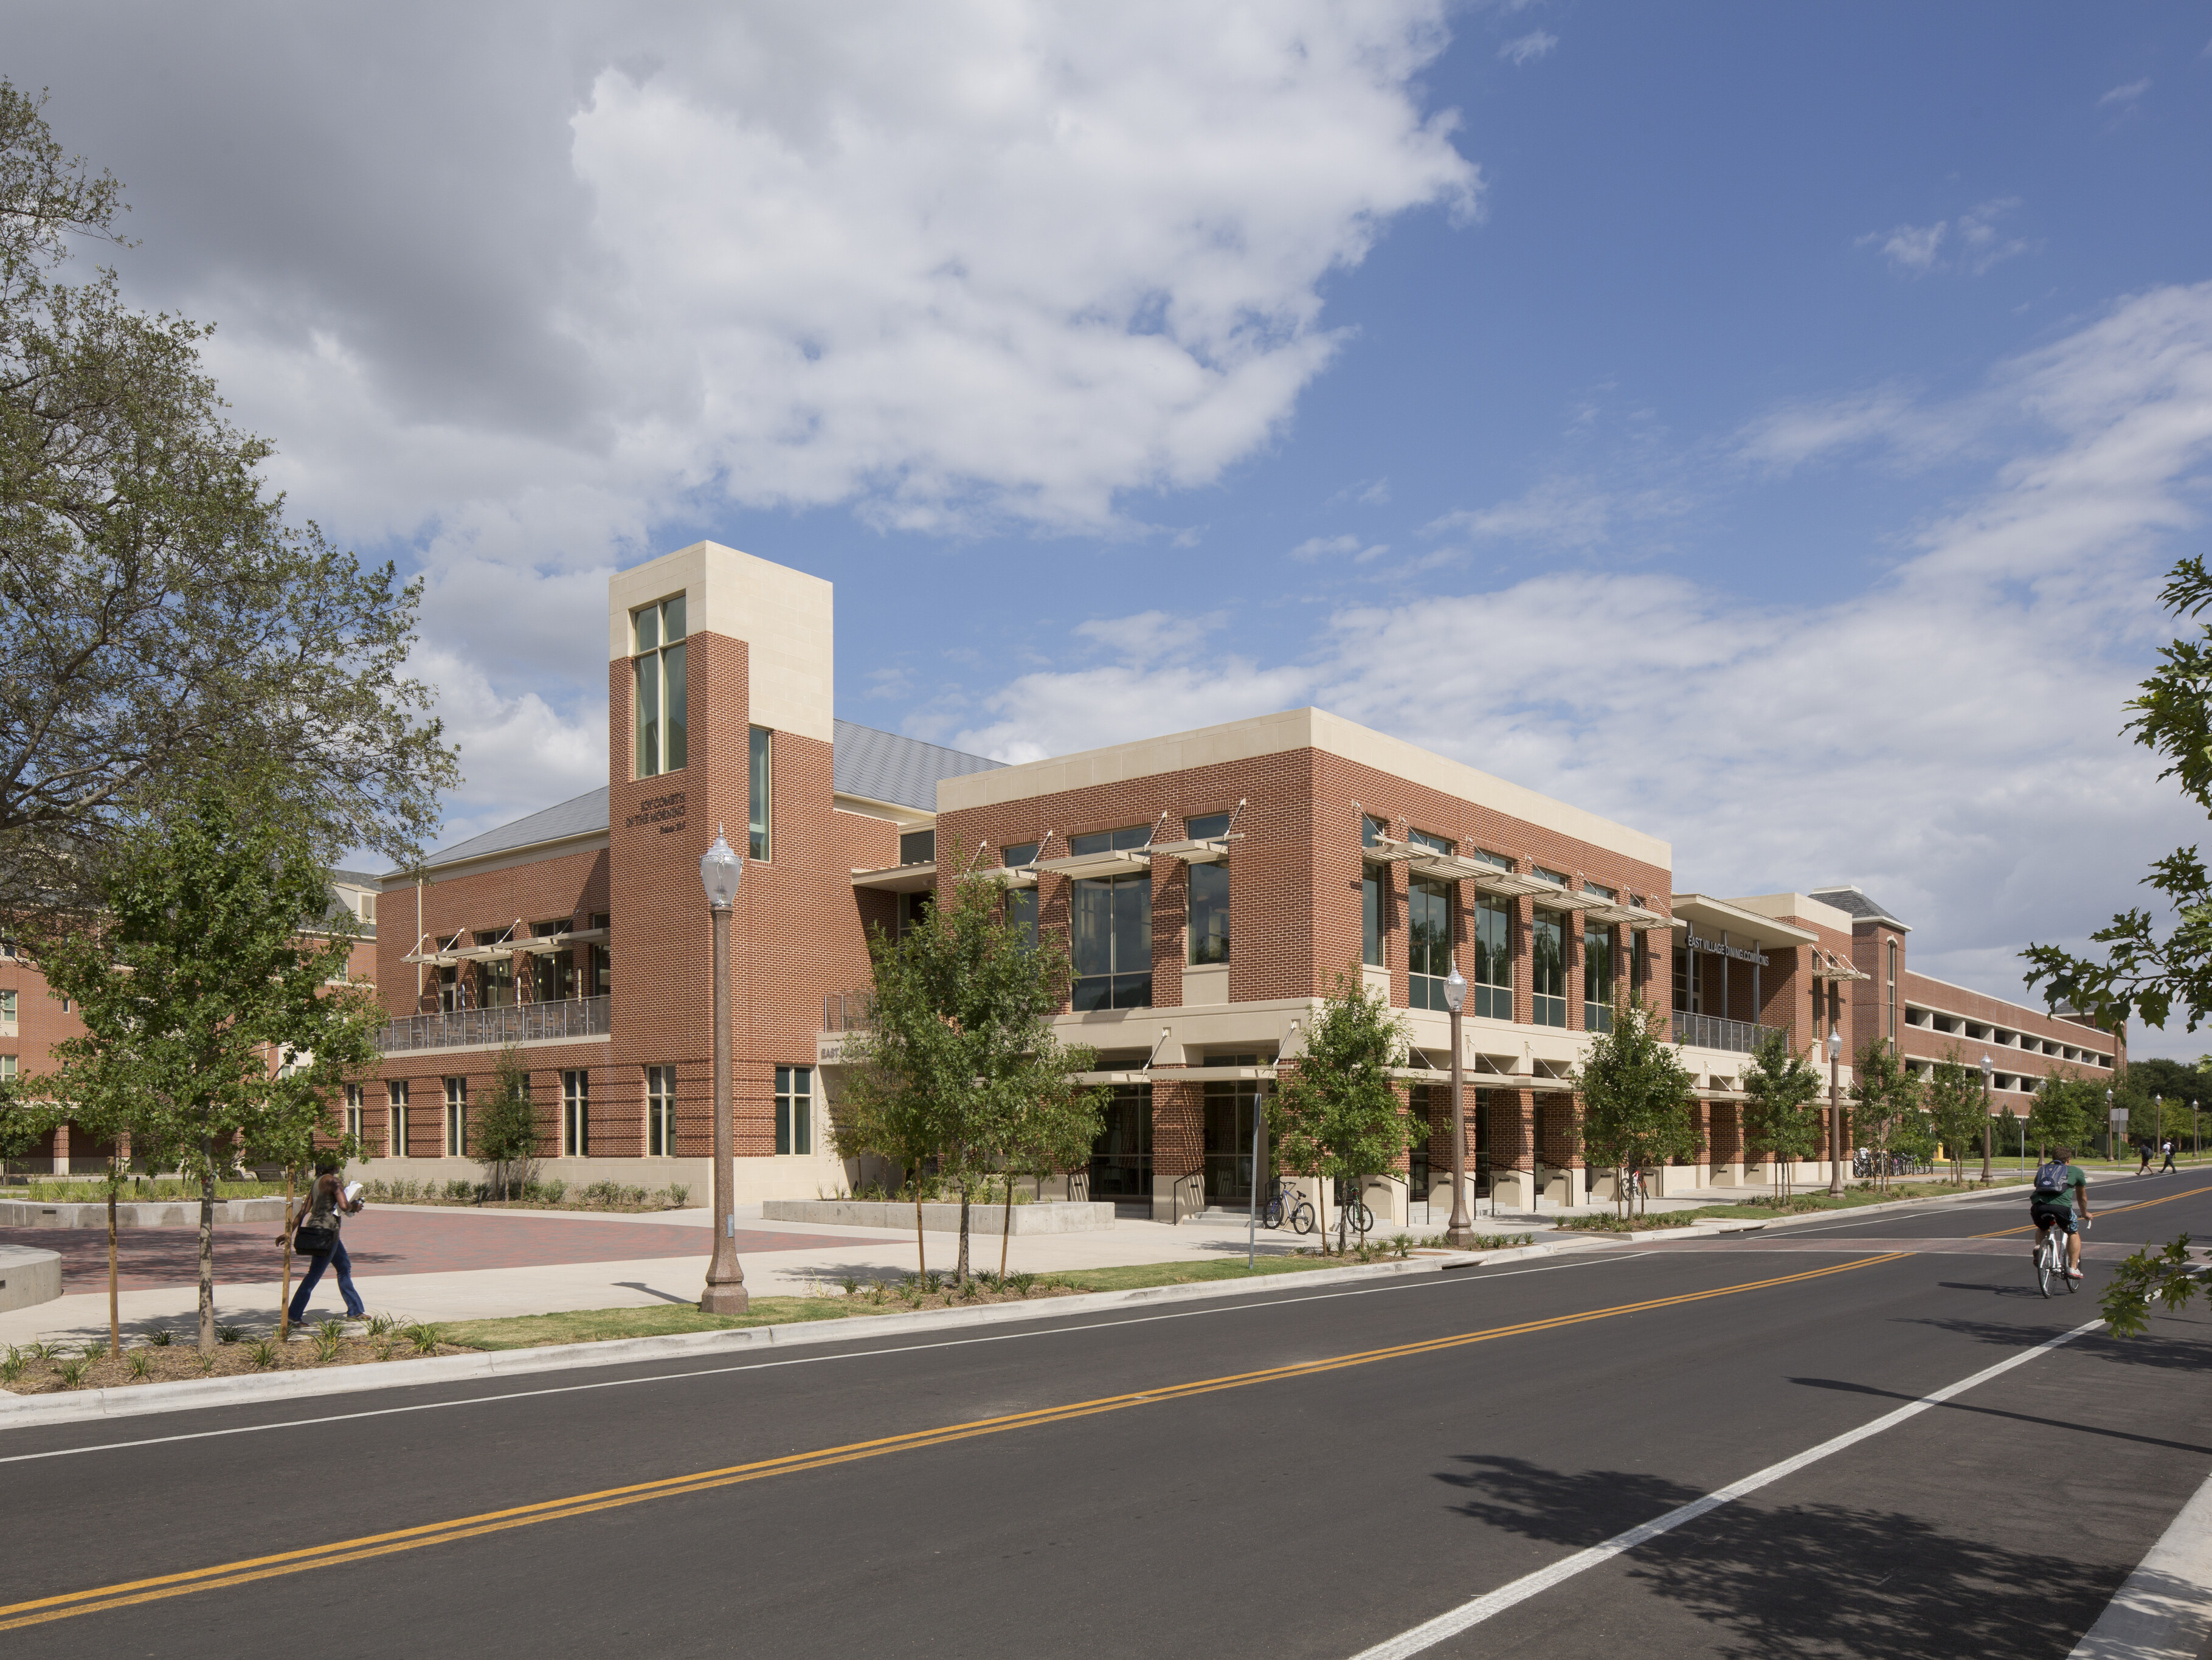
(520, 1022)
(1709, 1031)
(848, 1011)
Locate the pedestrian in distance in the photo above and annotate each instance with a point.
(316, 1238)
(2168, 1165)
(2145, 1168)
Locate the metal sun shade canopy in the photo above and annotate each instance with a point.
(1510, 884)
(541, 945)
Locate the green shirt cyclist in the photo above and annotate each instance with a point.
(2061, 1199)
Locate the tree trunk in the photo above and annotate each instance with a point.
(1321, 1213)
(1006, 1229)
(206, 1248)
(114, 1310)
(284, 1308)
(960, 1268)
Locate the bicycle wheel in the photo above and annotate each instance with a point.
(1363, 1219)
(1271, 1214)
(1302, 1218)
(2043, 1255)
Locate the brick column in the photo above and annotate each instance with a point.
(1178, 1141)
(62, 1149)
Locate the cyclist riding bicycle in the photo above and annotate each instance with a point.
(2061, 1200)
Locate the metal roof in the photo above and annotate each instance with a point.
(882, 766)
(1854, 901)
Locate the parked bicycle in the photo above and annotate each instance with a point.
(1288, 1204)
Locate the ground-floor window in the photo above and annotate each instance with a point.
(575, 1114)
(660, 1112)
(457, 1118)
(353, 1117)
(397, 1091)
(795, 1110)
(1122, 1158)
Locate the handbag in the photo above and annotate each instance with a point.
(308, 1240)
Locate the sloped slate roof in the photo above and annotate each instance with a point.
(1855, 902)
(886, 767)
(879, 765)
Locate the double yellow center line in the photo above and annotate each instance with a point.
(224, 1575)
(2143, 1204)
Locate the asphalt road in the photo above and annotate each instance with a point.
(1308, 1474)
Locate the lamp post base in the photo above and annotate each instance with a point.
(724, 1299)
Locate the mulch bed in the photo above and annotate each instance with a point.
(174, 1362)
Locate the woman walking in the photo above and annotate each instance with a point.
(318, 1236)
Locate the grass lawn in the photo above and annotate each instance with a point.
(597, 1325)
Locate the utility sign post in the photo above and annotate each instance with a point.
(2116, 1125)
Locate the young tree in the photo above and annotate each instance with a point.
(1781, 1116)
(961, 1056)
(1338, 1115)
(2008, 1131)
(1636, 1112)
(1054, 1129)
(1885, 1102)
(158, 614)
(504, 1128)
(2064, 1112)
(1958, 1110)
(217, 1026)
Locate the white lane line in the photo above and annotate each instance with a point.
(803, 1360)
(1488, 1606)
(2164, 1611)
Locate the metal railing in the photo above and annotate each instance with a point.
(519, 1022)
(1709, 1031)
(848, 1011)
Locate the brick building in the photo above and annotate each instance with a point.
(1211, 886)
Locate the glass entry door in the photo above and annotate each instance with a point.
(1231, 1109)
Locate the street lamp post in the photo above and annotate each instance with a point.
(719, 872)
(2196, 1136)
(1835, 1113)
(2108, 1124)
(1459, 1232)
(1989, 1073)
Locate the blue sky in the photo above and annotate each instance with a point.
(1764, 425)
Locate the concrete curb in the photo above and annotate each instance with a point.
(25, 1411)
(134, 1212)
(2164, 1609)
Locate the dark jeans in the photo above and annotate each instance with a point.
(323, 1259)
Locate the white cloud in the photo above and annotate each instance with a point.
(1149, 635)
(1527, 48)
(1358, 548)
(1919, 249)
(1911, 247)
(1978, 230)
(1558, 513)
(2126, 94)
(1947, 739)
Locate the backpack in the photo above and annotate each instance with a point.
(2051, 1180)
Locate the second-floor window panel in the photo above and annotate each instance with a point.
(662, 715)
(1209, 894)
(1021, 903)
(1373, 892)
(759, 782)
(1548, 962)
(1490, 994)
(1111, 929)
(1428, 941)
(1597, 978)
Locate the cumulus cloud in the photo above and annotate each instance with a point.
(1920, 249)
(521, 287)
(1948, 739)
(1527, 48)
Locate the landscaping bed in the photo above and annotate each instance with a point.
(1797, 1204)
(53, 1368)
(463, 1194)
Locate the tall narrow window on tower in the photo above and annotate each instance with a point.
(756, 791)
(659, 663)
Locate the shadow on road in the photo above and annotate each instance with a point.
(1997, 1411)
(1804, 1579)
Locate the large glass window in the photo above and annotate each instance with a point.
(757, 817)
(1122, 1158)
(575, 1114)
(1491, 995)
(1111, 929)
(660, 1112)
(1374, 890)
(353, 1118)
(1548, 967)
(552, 973)
(1597, 978)
(794, 1109)
(457, 1118)
(658, 665)
(395, 1091)
(1428, 941)
(1209, 894)
(1230, 1110)
(1021, 903)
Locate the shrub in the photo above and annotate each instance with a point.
(229, 1334)
(74, 1374)
(206, 1363)
(142, 1365)
(263, 1354)
(11, 1368)
(425, 1337)
(1021, 1283)
(161, 1337)
(461, 1188)
(678, 1195)
(328, 1337)
(382, 1325)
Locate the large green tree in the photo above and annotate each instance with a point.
(219, 1020)
(158, 613)
(960, 1066)
(1958, 1110)
(2065, 1111)
(1338, 1114)
(1782, 1117)
(1885, 1106)
(1636, 1096)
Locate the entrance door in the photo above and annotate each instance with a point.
(1230, 1111)
(1122, 1158)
